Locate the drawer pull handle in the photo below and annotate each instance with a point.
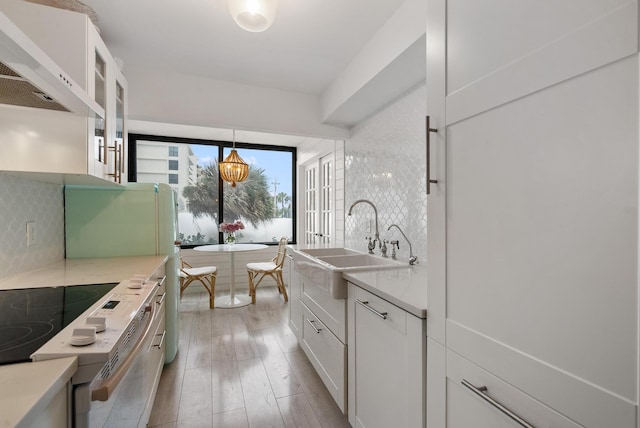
(317, 330)
(162, 297)
(481, 391)
(365, 305)
(162, 337)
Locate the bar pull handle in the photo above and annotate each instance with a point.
(365, 305)
(162, 338)
(161, 300)
(121, 159)
(481, 391)
(429, 130)
(317, 330)
(117, 175)
(118, 162)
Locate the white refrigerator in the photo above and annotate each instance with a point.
(139, 219)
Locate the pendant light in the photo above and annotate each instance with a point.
(233, 169)
(253, 15)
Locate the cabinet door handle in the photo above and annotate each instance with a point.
(117, 175)
(118, 162)
(317, 330)
(365, 305)
(429, 130)
(121, 159)
(481, 391)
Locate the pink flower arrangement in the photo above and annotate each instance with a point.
(231, 227)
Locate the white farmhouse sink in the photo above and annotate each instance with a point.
(357, 261)
(323, 268)
(321, 252)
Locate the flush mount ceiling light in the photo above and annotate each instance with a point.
(233, 169)
(253, 15)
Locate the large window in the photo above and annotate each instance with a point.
(265, 202)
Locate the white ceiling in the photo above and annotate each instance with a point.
(309, 44)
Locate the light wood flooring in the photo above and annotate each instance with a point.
(241, 367)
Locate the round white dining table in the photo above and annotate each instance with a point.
(231, 301)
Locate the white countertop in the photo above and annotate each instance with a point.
(83, 271)
(28, 388)
(404, 287)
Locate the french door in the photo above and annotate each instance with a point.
(319, 197)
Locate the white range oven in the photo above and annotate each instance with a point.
(118, 339)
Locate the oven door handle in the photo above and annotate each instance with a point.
(107, 386)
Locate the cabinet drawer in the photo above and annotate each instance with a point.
(333, 312)
(327, 354)
(396, 318)
(467, 409)
(578, 399)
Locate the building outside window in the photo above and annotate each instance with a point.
(264, 202)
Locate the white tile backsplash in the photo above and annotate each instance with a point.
(24, 200)
(385, 162)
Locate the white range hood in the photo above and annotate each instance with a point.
(37, 81)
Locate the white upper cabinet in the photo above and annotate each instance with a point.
(73, 42)
(533, 245)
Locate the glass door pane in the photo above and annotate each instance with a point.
(310, 205)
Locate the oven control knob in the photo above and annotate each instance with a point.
(83, 336)
(100, 323)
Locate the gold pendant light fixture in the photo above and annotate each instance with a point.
(233, 169)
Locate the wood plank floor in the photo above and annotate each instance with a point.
(241, 367)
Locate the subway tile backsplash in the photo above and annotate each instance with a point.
(23, 200)
(385, 162)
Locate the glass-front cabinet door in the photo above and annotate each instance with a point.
(118, 148)
(99, 122)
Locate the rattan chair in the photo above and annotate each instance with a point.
(206, 275)
(257, 271)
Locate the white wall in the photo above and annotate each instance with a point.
(385, 162)
(26, 200)
(157, 96)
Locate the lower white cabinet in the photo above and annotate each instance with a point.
(57, 413)
(386, 359)
(295, 291)
(327, 354)
(476, 398)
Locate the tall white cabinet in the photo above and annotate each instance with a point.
(533, 220)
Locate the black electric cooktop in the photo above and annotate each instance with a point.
(30, 317)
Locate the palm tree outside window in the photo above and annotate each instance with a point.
(264, 202)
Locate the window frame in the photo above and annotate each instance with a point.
(133, 139)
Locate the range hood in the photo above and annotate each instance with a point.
(30, 78)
